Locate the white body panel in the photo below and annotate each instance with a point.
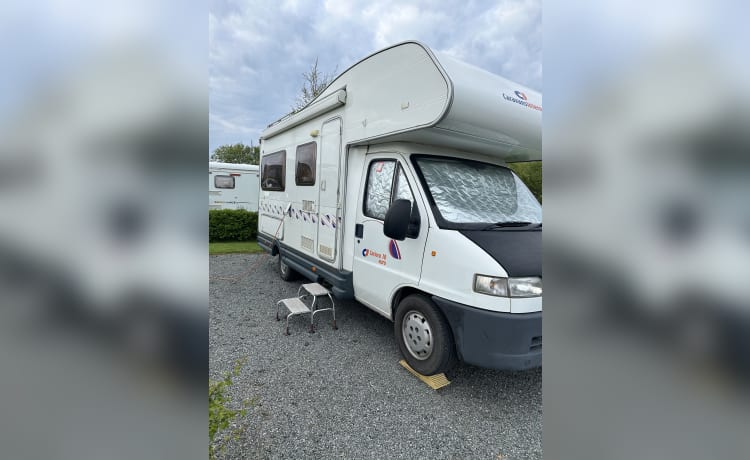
(244, 191)
(395, 103)
(464, 259)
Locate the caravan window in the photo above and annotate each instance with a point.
(380, 191)
(224, 181)
(273, 171)
(306, 159)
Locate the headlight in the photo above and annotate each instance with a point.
(525, 287)
(508, 287)
(491, 286)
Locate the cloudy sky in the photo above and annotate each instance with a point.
(259, 49)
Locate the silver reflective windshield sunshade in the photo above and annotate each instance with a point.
(474, 192)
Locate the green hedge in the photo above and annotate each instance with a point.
(232, 225)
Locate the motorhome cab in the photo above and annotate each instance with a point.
(233, 186)
(391, 188)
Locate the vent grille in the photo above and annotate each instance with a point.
(308, 205)
(307, 243)
(325, 250)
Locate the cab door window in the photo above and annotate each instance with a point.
(386, 182)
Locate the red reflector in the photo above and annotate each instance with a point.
(234, 174)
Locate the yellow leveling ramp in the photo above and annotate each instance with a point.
(435, 382)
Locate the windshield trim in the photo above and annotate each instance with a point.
(439, 219)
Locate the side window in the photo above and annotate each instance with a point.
(306, 159)
(273, 171)
(383, 186)
(224, 181)
(402, 191)
(378, 190)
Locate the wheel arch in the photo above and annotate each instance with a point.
(403, 292)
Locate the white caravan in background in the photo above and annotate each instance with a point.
(391, 188)
(233, 186)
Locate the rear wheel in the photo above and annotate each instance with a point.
(286, 272)
(424, 336)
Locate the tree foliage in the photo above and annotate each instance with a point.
(314, 82)
(237, 153)
(531, 174)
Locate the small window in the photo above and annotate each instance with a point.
(224, 181)
(273, 171)
(402, 191)
(306, 158)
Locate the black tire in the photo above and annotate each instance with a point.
(286, 272)
(436, 336)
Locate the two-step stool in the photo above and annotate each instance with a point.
(297, 306)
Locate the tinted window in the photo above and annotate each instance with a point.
(273, 171)
(305, 170)
(223, 181)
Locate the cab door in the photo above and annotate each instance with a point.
(382, 265)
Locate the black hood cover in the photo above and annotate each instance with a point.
(518, 251)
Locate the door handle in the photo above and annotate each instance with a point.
(359, 230)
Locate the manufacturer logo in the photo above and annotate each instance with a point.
(520, 98)
(394, 250)
(370, 253)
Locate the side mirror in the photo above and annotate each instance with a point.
(397, 219)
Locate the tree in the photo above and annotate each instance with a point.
(531, 174)
(237, 153)
(314, 83)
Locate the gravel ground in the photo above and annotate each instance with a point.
(342, 393)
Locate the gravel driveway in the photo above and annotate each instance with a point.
(342, 393)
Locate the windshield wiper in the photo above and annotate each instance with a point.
(512, 224)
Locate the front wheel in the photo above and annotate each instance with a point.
(424, 336)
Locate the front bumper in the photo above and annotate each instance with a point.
(508, 341)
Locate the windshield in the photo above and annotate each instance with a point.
(472, 192)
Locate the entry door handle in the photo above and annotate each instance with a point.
(359, 230)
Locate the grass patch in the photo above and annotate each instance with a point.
(234, 247)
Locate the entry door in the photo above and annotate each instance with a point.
(329, 210)
(382, 265)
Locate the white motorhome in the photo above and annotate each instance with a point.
(390, 188)
(233, 186)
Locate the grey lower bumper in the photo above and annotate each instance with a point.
(495, 340)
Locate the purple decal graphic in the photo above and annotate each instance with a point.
(394, 250)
